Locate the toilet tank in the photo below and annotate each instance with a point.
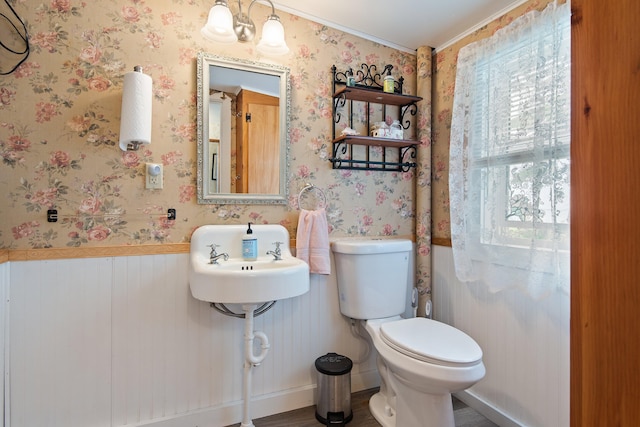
(372, 276)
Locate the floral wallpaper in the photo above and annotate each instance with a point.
(444, 77)
(60, 119)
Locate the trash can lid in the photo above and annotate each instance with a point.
(334, 364)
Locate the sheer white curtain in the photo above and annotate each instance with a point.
(509, 156)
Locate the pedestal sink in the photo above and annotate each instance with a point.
(218, 274)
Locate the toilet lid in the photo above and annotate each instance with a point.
(431, 341)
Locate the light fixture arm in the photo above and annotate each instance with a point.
(273, 9)
(244, 26)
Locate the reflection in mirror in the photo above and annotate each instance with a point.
(243, 112)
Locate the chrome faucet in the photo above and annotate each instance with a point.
(277, 254)
(214, 256)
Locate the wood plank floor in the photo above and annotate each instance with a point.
(305, 417)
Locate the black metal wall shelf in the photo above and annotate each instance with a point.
(366, 86)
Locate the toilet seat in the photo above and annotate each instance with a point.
(431, 341)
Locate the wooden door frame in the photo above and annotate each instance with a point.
(605, 220)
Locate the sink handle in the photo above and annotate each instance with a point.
(277, 254)
(214, 256)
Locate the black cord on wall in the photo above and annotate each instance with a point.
(22, 35)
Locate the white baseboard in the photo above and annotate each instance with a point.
(260, 406)
(488, 411)
(365, 381)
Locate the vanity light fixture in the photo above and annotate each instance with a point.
(223, 27)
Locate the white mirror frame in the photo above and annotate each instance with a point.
(203, 63)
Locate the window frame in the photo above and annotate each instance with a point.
(519, 151)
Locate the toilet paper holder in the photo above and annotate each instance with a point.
(135, 116)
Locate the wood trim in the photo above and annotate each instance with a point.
(605, 230)
(95, 252)
(441, 241)
(7, 255)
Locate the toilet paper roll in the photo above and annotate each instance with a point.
(135, 121)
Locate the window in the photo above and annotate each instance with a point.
(509, 158)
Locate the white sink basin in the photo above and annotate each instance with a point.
(236, 281)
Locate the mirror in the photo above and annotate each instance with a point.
(243, 136)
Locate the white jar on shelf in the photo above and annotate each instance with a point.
(396, 131)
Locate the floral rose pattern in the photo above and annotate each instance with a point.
(60, 120)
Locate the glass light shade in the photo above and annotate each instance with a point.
(272, 41)
(219, 26)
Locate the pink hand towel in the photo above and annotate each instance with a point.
(312, 241)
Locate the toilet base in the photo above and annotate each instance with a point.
(381, 412)
(423, 410)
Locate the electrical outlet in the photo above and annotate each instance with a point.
(154, 176)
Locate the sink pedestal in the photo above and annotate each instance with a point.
(251, 360)
(255, 285)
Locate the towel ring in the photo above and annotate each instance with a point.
(318, 196)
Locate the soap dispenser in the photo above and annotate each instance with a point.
(249, 245)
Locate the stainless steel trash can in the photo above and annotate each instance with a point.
(334, 389)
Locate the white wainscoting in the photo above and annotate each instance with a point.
(525, 345)
(4, 313)
(120, 341)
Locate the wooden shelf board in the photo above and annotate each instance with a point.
(375, 96)
(370, 140)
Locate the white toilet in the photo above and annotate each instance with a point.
(421, 361)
